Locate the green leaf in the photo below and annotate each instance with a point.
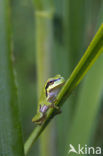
(11, 143)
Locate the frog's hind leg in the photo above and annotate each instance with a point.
(39, 118)
(41, 121)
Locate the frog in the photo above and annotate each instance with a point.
(48, 98)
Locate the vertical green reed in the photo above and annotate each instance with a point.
(11, 143)
(44, 33)
(43, 50)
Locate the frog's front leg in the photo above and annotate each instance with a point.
(58, 110)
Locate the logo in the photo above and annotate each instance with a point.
(84, 149)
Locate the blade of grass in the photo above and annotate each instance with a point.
(11, 142)
(89, 57)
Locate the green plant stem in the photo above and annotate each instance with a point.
(43, 23)
(89, 57)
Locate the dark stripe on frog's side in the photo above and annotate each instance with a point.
(48, 84)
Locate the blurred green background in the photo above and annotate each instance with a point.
(73, 26)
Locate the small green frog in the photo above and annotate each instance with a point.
(48, 97)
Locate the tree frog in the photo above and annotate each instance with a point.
(48, 97)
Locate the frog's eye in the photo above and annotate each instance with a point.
(51, 82)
